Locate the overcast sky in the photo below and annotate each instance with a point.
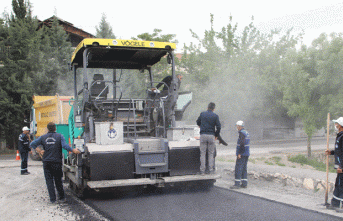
(130, 18)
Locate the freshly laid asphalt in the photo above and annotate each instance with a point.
(215, 204)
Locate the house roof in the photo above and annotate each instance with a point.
(68, 27)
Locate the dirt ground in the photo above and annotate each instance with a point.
(25, 197)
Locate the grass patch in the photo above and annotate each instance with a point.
(252, 161)
(222, 159)
(281, 164)
(261, 159)
(303, 160)
(268, 162)
(277, 160)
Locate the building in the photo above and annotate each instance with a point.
(76, 35)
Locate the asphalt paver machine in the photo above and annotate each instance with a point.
(128, 141)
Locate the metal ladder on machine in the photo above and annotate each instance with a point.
(128, 126)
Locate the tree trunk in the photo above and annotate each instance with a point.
(309, 146)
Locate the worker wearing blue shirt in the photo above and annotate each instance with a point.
(24, 149)
(337, 199)
(242, 153)
(210, 127)
(52, 144)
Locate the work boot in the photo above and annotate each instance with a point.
(51, 203)
(63, 200)
(26, 173)
(244, 186)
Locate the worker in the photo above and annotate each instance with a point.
(167, 82)
(337, 199)
(52, 144)
(210, 127)
(242, 153)
(24, 149)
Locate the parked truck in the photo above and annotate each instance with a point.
(47, 109)
(128, 141)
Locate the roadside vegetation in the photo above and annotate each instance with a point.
(313, 162)
(290, 161)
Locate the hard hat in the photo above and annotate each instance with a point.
(240, 123)
(339, 121)
(26, 128)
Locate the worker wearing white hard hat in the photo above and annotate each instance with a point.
(24, 149)
(242, 153)
(337, 199)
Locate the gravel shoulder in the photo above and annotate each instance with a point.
(292, 184)
(26, 197)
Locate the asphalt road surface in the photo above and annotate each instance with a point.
(182, 204)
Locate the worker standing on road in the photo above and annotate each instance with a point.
(24, 149)
(53, 143)
(210, 127)
(242, 153)
(337, 200)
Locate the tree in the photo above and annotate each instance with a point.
(49, 57)
(156, 36)
(312, 81)
(239, 71)
(133, 83)
(34, 62)
(16, 90)
(104, 30)
(20, 9)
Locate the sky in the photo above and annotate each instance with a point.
(131, 18)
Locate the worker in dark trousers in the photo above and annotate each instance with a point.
(242, 153)
(210, 127)
(24, 149)
(337, 200)
(52, 144)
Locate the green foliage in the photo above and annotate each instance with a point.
(20, 9)
(277, 160)
(239, 71)
(15, 80)
(35, 60)
(312, 80)
(49, 57)
(303, 160)
(156, 36)
(104, 30)
(135, 83)
(268, 162)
